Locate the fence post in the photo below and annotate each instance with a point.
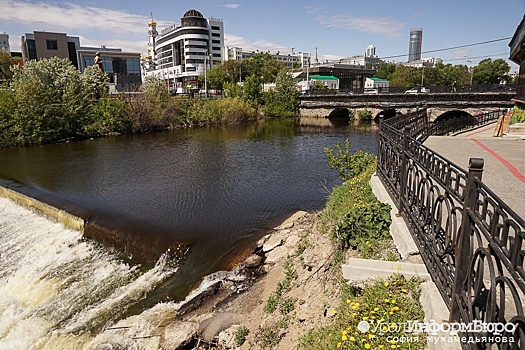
(403, 171)
(463, 253)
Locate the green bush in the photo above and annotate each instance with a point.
(363, 224)
(240, 335)
(518, 115)
(345, 163)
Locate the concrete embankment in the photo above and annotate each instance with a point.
(68, 220)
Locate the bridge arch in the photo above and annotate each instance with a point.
(339, 112)
(386, 114)
(453, 114)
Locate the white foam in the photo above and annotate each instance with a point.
(55, 287)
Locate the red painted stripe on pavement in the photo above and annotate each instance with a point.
(505, 162)
(478, 131)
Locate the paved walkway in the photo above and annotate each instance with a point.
(504, 170)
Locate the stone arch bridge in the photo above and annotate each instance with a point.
(439, 106)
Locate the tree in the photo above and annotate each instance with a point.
(227, 72)
(51, 101)
(252, 90)
(95, 81)
(385, 71)
(262, 65)
(491, 72)
(283, 101)
(6, 62)
(405, 76)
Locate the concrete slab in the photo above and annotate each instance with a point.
(402, 238)
(364, 269)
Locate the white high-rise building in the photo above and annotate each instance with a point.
(180, 53)
(370, 51)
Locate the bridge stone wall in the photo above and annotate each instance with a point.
(322, 105)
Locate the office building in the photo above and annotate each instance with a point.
(122, 68)
(38, 45)
(290, 60)
(415, 44)
(180, 53)
(4, 42)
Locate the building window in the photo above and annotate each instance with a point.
(52, 44)
(216, 41)
(216, 34)
(215, 28)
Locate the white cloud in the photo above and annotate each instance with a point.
(125, 45)
(232, 40)
(232, 6)
(381, 26)
(71, 16)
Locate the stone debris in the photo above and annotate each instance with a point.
(220, 328)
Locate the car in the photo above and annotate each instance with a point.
(371, 91)
(425, 90)
(412, 91)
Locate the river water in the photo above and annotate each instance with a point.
(201, 195)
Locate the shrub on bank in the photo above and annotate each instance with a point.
(222, 111)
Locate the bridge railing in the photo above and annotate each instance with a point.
(471, 242)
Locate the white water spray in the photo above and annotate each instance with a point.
(56, 288)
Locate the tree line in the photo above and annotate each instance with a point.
(51, 101)
(488, 71)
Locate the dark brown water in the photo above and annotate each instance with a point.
(210, 190)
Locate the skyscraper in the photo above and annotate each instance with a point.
(415, 45)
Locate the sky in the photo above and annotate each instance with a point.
(336, 28)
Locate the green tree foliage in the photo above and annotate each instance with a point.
(5, 66)
(486, 72)
(219, 76)
(491, 72)
(385, 71)
(347, 164)
(51, 101)
(405, 76)
(318, 85)
(95, 81)
(252, 90)
(262, 65)
(284, 100)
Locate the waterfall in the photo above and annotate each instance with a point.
(61, 291)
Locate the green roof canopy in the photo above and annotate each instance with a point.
(323, 77)
(377, 79)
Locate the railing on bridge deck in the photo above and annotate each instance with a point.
(471, 242)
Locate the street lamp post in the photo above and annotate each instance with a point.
(205, 73)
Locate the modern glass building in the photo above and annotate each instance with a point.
(415, 45)
(181, 52)
(123, 68)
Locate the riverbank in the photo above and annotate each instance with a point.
(301, 300)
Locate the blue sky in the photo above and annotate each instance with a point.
(338, 28)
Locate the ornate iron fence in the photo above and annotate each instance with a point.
(471, 242)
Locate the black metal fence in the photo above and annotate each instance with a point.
(471, 242)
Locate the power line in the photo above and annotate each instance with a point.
(467, 58)
(454, 47)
